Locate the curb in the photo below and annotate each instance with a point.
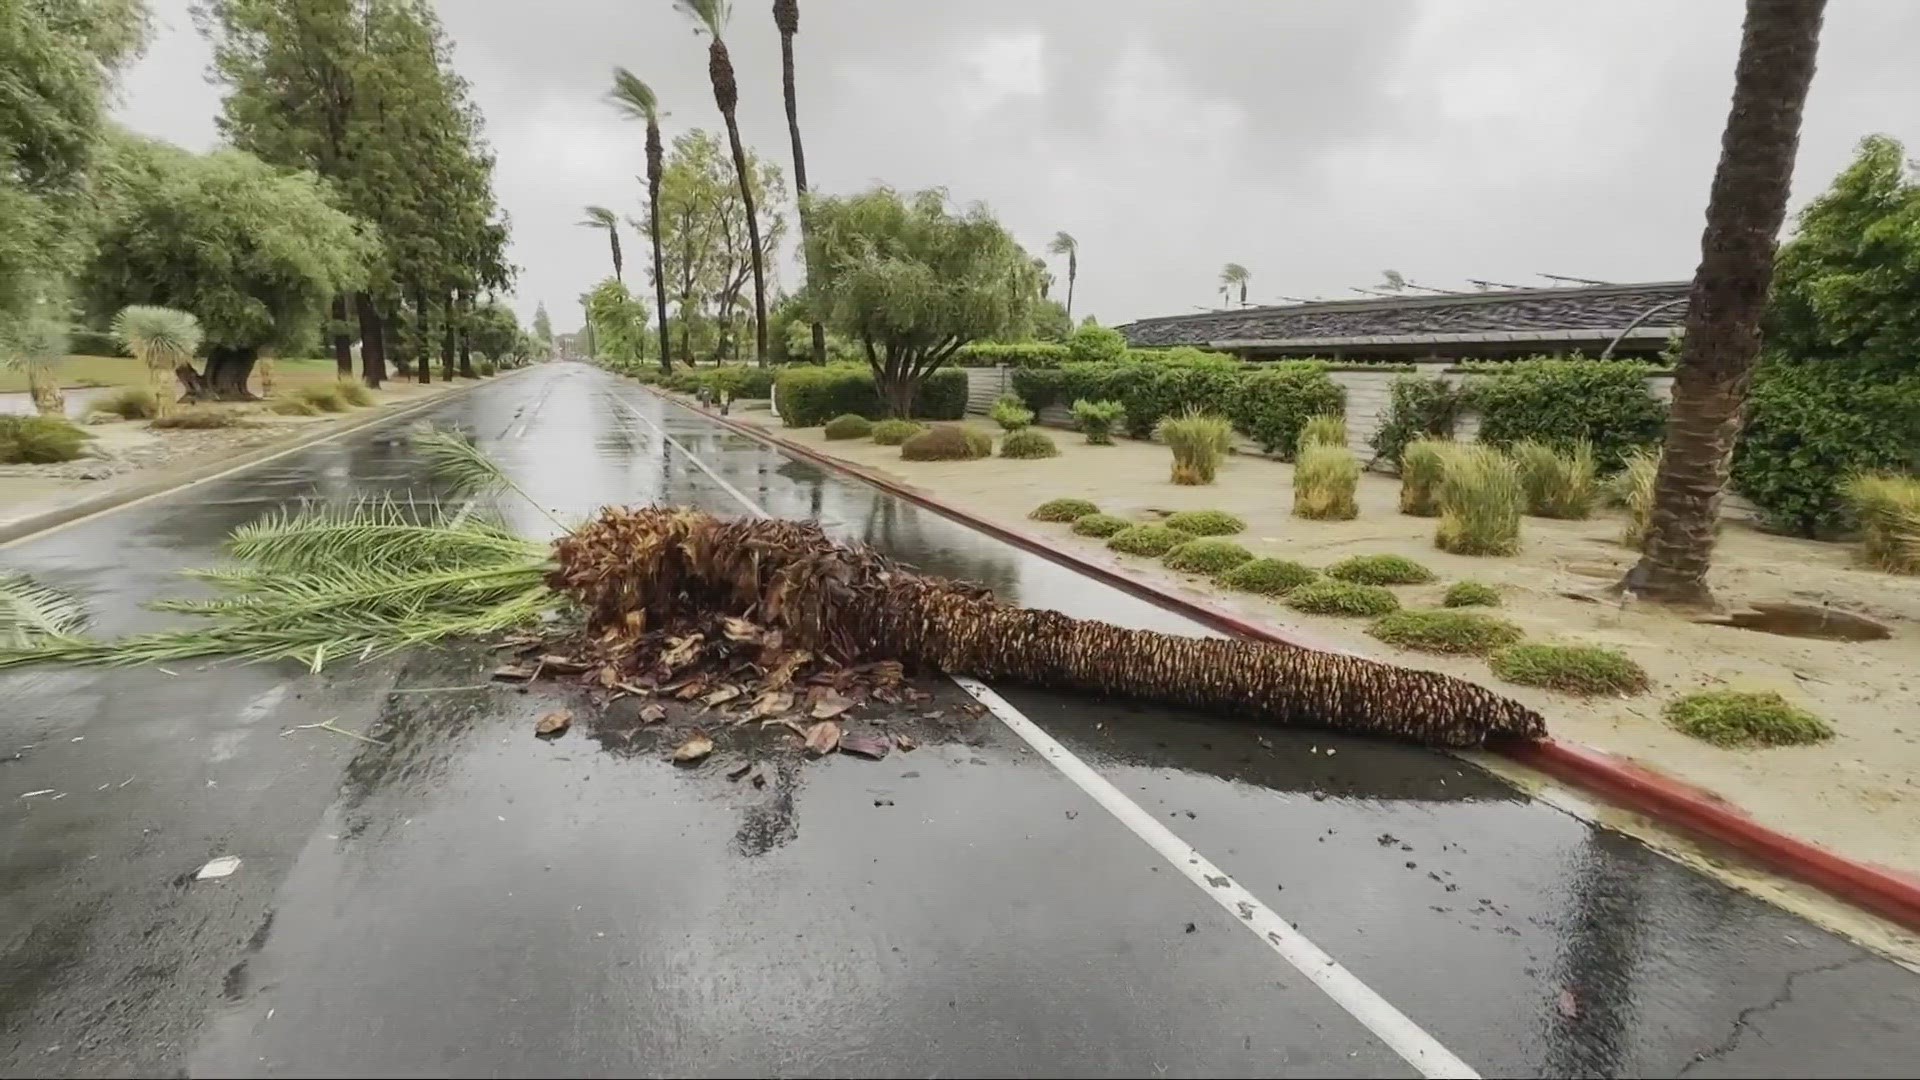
(1668, 801)
(27, 527)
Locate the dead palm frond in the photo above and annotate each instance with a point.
(31, 612)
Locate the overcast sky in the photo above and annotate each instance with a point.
(1315, 141)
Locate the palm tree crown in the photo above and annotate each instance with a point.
(634, 98)
(1064, 244)
(599, 217)
(635, 101)
(1234, 274)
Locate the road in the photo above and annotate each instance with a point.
(463, 899)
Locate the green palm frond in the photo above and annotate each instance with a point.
(708, 15)
(458, 464)
(372, 534)
(599, 217)
(31, 612)
(1063, 244)
(632, 97)
(1234, 274)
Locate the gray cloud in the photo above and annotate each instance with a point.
(1317, 143)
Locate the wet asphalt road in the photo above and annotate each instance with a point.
(466, 900)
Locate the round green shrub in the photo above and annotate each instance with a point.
(1575, 669)
(1206, 522)
(1063, 510)
(1744, 718)
(849, 426)
(1380, 570)
(1471, 594)
(1268, 577)
(1100, 525)
(1325, 596)
(947, 443)
(1811, 425)
(39, 440)
(895, 432)
(1149, 540)
(1010, 414)
(1445, 631)
(1208, 555)
(1028, 443)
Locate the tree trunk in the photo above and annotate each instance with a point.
(373, 345)
(225, 377)
(446, 336)
(799, 178)
(1745, 209)
(659, 263)
(465, 305)
(342, 341)
(1070, 276)
(898, 393)
(720, 69)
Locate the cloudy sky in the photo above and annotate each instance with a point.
(1315, 141)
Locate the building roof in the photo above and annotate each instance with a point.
(1586, 313)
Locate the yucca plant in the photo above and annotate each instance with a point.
(1422, 465)
(1558, 483)
(1323, 430)
(1325, 480)
(1198, 442)
(1888, 509)
(35, 344)
(163, 339)
(1480, 502)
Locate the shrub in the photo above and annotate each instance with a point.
(1207, 555)
(1326, 596)
(1016, 354)
(1094, 342)
(201, 418)
(1888, 509)
(1028, 443)
(84, 342)
(1558, 402)
(1100, 525)
(1149, 540)
(1324, 430)
(1273, 403)
(1096, 419)
(1744, 718)
(1010, 414)
(1812, 425)
(736, 381)
(1470, 594)
(487, 368)
(895, 432)
(1063, 510)
(1558, 484)
(291, 406)
(810, 396)
(354, 392)
(131, 403)
(323, 398)
(1166, 389)
(1198, 442)
(1480, 500)
(946, 442)
(1380, 570)
(848, 426)
(1206, 522)
(1324, 481)
(1574, 669)
(39, 440)
(1268, 577)
(1423, 463)
(1633, 489)
(1418, 407)
(1445, 631)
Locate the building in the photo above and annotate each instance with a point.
(1454, 326)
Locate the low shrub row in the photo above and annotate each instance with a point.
(1269, 403)
(810, 396)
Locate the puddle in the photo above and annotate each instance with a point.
(1803, 621)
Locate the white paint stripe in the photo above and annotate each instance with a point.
(1414, 1045)
(752, 507)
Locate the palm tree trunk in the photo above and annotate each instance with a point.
(799, 172)
(1745, 209)
(614, 237)
(1072, 272)
(659, 262)
(726, 95)
(342, 341)
(373, 347)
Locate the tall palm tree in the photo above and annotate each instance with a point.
(1064, 244)
(1231, 275)
(599, 217)
(710, 17)
(636, 101)
(1745, 209)
(786, 17)
(163, 339)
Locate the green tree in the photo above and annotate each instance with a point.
(1051, 321)
(635, 101)
(786, 18)
(496, 332)
(599, 217)
(1232, 276)
(912, 281)
(708, 246)
(710, 16)
(1745, 209)
(1063, 244)
(542, 328)
(619, 324)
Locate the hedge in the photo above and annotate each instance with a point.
(1810, 425)
(1017, 354)
(1268, 402)
(810, 396)
(84, 342)
(1272, 404)
(1559, 402)
(738, 380)
(1417, 408)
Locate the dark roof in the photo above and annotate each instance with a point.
(1597, 311)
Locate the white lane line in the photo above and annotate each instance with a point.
(752, 507)
(1413, 1043)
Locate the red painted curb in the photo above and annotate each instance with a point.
(1635, 787)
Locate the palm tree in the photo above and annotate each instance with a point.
(635, 99)
(1231, 275)
(710, 17)
(162, 338)
(1745, 209)
(1064, 244)
(599, 217)
(786, 16)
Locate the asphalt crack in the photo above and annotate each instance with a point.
(1742, 1022)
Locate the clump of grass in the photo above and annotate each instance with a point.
(1152, 541)
(1633, 489)
(1322, 430)
(1100, 525)
(895, 432)
(1011, 413)
(1888, 508)
(1465, 632)
(1206, 522)
(1558, 484)
(1326, 596)
(1268, 577)
(1324, 481)
(131, 403)
(947, 443)
(1745, 718)
(291, 406)
(1422, 466)
(1470, 594)
(1063, 510)
(324, 399)
(354, 392)
(1028, 443)
(1198, 442)
(39, 440)
(849, 426)
(1380, 570)
(1207, 555)
(1480, 501)
(1574, 669)
(1097, 418)
(200, 418)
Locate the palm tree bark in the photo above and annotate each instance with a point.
(1745, 210)
(726, 94)
(1073, 271)
(373, 347)
(786, 16)
(613, 237)
(654, 169)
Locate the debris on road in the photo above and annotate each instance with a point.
(214, 869)
(693, 749)
(554, 724)
(823, 737)
(871, 747)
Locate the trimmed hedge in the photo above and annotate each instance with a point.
(1016, 354)
(947, 443)
(1094, 342)
(84, 342)
(1269, 403)
(1812, 425)
(848, 426)
(738, 380)
(1273, 403)
(810, 396)
(1417, 408)
(1559, 402)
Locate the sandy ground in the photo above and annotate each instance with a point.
(1858, 793)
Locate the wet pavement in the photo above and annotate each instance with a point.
(464, 899)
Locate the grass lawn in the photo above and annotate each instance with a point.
(79, 371)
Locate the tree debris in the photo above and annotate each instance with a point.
(693, 749)
(554, 724)
(823, 737)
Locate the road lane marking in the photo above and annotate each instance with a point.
(1413, 1043)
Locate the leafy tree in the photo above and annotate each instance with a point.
(705, 237)
(912, 281)
(1231, 276)
(1745, 209)
(619, 324)
(496, 332)
(786, 18)
(599, 217)
(542, 328)
(710, 17)
(1051, 321)
(1063, 244)
(635, 101)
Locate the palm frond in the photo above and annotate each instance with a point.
(458, 464)
(373, 534)
(709, 15)
(31, 612)
(599, 217)
(632, 97)
(1063, 244)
